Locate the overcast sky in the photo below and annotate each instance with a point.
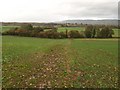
(57, 10)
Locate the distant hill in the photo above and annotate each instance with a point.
(93, 22)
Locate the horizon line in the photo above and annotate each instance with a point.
(53, 21)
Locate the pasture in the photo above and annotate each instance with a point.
(63, 29)
(79, 63)
(6, 28)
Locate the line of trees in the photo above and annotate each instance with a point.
(95, 32)
(51, 32)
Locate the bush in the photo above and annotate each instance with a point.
(27, 27)
(62, 35)
(41, 35)
(38, 29)
(56, 35)
(21, 32)
(54, 29)
(97, 35)
(74, 34)
(89, 31)
(52, 34)
(49, 34)
(106, 32)
(82, 35)
(9, 32)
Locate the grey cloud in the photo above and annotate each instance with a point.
(92, 9)
(57, 10)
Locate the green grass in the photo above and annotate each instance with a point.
(98, 60)
(63, 29)
(20, 46)
(6, 28)
(32, 62)
(116, 33)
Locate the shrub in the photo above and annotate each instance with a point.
(111, 32)
(97, 35)
(56, 35)
(66, 33)
(82, 35)
(38, 29)
(106, 32)
(62, 35)
(9, 32)
(54, 29)
(26, 27)
(89, 31)
(22, 32)
(74, 34)
(41, 35)
(49, 34)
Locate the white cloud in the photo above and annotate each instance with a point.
(56, 10)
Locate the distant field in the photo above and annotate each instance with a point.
(63, 29)
(6, 28)
(116, 33)
(34, 62)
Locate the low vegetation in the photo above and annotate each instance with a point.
(104, 32)
(51, 32)
(59, 63)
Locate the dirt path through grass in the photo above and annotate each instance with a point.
(51, 69)
(56, 68)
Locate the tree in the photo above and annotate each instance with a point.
(89, 31)
(97, 32)
(106, 32)
(66, 33)
(62, 35)
(54, 29)
(27, 27)
(73, 34)
(111, 32)
(93, 32)
(38, 29)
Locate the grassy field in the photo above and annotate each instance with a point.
(116, 33)
(63, 29)
(6, 28)
(34, 62)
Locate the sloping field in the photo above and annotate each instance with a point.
(34, 62)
